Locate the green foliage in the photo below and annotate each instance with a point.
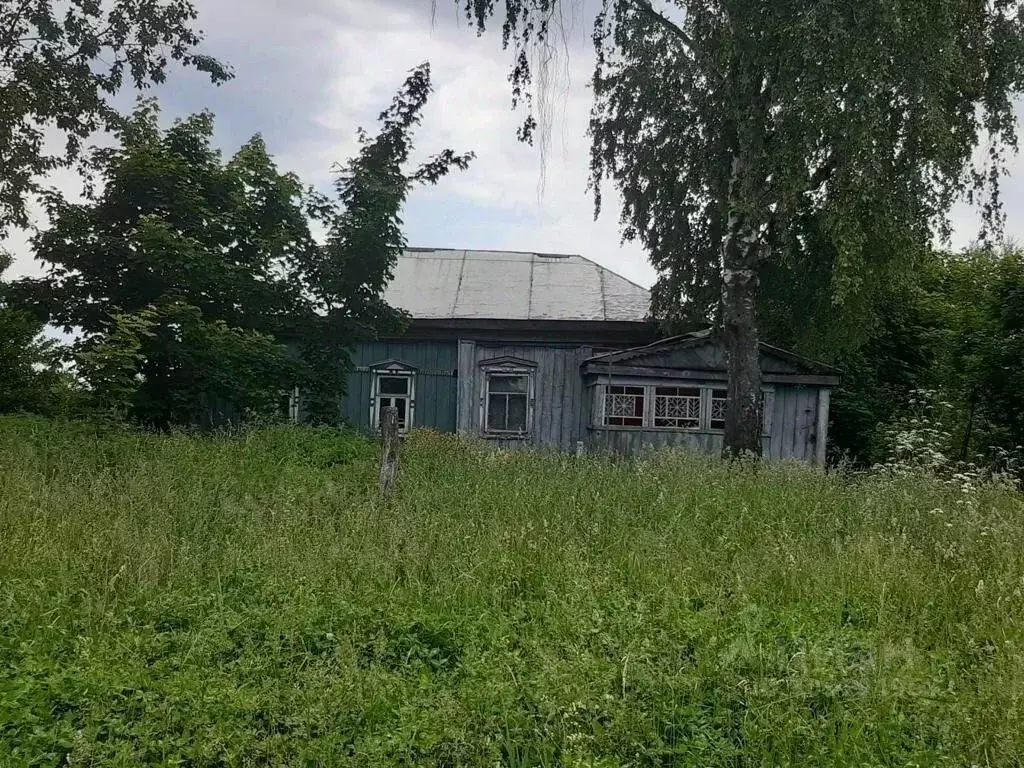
(955, 331)
(809, 149)
(365, 238)
(977, 299)
(60, 62)
(32, 378)
(878, 374)
(347, 276)
(204, 275)
(209, 367)
(917, 442)
(214, 601)
(838, 134)
(177, 257)
(171, 221)
(110, 363)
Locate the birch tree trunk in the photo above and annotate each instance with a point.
(740, 256)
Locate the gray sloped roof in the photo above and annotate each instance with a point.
(661, 351)
(501, 285)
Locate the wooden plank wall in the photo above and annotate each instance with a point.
(793, 435)
(795, 422)
(449, 386)
(707, 357)
(635, 441)
(436, 363)
(558, 407)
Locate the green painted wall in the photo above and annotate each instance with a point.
(436, 364)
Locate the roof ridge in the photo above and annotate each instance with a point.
(613, 272)
(529, 289)
(458, 287)
(421, 249)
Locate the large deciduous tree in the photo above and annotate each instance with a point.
(805, 140)
(197, 282)
(31, 375)
(347, 275)
(60, 62)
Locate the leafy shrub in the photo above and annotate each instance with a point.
(918, 442)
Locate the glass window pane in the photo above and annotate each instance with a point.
(718, 406)
(624, 404)
(400, 403)
(394, 385)
(626, 391)
(497, 411)
(679, 391)
(516, 413)
(508, 383)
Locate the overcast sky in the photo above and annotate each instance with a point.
(309, 72)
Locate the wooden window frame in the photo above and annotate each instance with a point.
(653, 394)
(706, 389)
(505, 367)
(393, 370)
(611, 395)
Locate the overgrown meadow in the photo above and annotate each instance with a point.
(223, 601)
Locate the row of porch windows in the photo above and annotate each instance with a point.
(654, 406)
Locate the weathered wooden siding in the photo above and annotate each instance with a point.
(792, 429)
(558, 402)
(634, 441)
(795, 420)
(705, 357)
(449, 392)
(436, 364)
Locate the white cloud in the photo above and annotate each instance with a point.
(311, 71)
(528, 207)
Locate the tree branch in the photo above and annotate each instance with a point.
(824, 172)
(648, 10)
(645, 7)
(10, 34)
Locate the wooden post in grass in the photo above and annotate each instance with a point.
(389, 449)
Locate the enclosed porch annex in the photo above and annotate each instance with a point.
(673, 393)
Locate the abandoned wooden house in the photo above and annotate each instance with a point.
(554, 350)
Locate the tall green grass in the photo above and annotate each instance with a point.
(200, 601)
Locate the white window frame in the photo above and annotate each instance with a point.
(503, 367)
(393, 370)
(650, 388)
